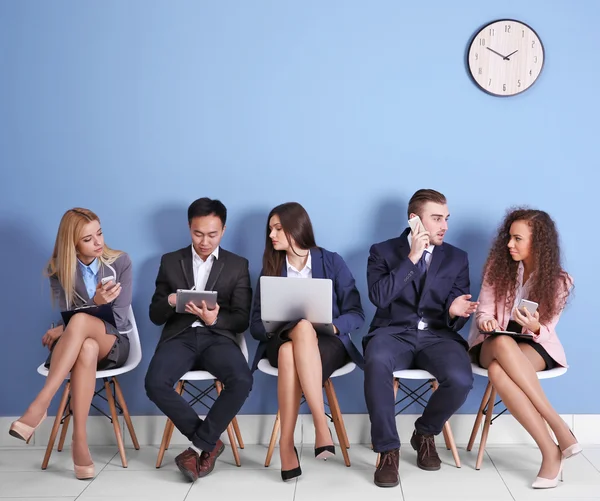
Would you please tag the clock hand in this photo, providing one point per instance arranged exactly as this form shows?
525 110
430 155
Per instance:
507 57
498 53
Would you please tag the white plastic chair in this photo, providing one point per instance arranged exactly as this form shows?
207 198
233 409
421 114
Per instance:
114 397
417 397
332 401
198 395
488 402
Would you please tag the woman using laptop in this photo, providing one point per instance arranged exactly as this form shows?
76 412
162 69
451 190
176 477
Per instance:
83 271
305 359
524 264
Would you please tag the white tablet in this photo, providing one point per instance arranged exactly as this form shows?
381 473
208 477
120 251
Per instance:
196 297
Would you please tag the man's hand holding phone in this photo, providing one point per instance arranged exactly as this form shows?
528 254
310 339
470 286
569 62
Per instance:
420 239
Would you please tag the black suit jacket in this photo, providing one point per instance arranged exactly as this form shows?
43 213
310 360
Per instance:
229 276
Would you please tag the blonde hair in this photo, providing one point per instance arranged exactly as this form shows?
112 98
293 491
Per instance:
63 263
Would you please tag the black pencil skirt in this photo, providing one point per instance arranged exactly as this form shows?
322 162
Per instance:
332 350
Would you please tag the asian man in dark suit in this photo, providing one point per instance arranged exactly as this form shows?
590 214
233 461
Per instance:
201 338
420 286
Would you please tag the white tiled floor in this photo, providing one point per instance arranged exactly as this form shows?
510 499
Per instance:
506 474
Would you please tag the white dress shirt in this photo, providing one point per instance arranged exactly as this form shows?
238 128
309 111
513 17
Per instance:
428 254
305 272
201 272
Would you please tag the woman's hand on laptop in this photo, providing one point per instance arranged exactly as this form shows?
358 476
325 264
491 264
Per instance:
209 317
489 325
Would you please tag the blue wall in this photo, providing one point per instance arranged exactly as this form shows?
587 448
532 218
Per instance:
134 109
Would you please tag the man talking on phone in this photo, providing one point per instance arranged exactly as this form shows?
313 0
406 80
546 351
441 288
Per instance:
420 286
201 338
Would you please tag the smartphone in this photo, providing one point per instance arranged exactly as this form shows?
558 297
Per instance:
530 306
416 226
105 280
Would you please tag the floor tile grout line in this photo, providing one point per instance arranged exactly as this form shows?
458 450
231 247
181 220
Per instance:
96 476
188 491
589 461
500 475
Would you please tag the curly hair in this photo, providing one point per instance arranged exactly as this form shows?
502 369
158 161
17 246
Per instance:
550 284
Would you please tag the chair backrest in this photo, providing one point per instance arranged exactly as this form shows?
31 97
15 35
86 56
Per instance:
135 351
241 341
135 346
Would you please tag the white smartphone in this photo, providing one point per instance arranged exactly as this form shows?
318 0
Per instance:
105 280
415 224
530 306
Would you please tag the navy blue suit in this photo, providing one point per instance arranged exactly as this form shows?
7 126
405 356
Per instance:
347 315
394 341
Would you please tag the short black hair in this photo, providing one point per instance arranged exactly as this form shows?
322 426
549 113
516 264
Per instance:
207 207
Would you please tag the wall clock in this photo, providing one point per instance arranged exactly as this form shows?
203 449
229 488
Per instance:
505 57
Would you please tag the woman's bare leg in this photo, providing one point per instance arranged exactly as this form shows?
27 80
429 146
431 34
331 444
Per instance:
289 394
83 385
308 367
64 356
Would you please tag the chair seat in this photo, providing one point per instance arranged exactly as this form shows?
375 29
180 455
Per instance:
197 376
99 374
549 374
413 374
267 368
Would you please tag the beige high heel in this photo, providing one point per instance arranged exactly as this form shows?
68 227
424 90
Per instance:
549 483
572 450
22 431
83 472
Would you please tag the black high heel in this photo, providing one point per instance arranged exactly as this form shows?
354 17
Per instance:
291 474
326 451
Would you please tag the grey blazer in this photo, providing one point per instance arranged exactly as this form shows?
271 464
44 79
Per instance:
122 271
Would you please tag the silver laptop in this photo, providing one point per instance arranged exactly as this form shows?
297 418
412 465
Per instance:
285 299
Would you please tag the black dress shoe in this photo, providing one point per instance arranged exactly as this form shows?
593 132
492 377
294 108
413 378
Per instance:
291 474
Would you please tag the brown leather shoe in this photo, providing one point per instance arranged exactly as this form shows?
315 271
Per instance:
386 474
206 464
427 456
188 463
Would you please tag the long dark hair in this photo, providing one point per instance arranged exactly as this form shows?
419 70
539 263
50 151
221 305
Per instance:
550 283
297 226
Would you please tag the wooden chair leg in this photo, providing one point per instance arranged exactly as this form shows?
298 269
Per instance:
486 428
163 444
337 419
115 421
65 428
230 432
447 431
238 433
449 437
179 388
341 416
484 402
126 416
274 434
59 414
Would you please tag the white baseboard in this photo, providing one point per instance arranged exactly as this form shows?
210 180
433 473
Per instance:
256 429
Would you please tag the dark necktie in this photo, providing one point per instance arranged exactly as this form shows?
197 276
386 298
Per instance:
422 266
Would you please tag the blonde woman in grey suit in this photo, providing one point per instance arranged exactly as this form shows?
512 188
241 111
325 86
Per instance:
79 262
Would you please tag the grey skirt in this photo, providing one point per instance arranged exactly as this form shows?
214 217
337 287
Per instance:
117 356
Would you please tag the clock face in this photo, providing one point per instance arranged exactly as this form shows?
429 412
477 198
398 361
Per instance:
506 57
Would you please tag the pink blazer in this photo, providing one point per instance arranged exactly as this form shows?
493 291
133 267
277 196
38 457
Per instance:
488 309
